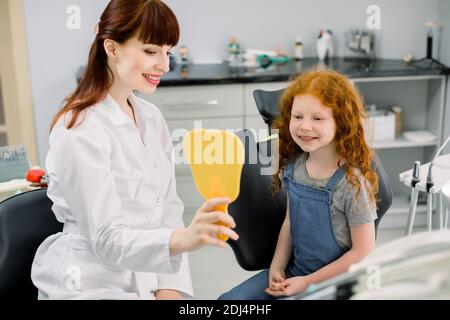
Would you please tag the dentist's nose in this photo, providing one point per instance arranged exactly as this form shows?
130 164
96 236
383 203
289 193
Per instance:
163 64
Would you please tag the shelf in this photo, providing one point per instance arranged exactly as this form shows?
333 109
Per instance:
402 143
400 205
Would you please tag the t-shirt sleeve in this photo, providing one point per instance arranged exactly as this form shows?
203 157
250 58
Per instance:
359 210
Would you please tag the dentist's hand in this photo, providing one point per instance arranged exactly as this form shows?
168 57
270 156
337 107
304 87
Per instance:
167 294
203 229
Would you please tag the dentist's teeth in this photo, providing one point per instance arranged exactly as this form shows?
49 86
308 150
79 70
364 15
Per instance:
150 77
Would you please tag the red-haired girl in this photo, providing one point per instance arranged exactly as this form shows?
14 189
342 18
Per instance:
325 165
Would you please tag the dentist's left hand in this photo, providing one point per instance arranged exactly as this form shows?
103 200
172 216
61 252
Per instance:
167 294
204 228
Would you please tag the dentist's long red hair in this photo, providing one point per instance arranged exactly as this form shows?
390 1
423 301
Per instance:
336 92
151 20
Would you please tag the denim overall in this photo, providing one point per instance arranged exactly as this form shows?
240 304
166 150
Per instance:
313 240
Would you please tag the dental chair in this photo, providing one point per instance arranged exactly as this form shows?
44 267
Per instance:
267 104
259 214
26 220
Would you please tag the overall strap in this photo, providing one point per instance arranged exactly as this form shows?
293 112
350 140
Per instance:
334 180
288 171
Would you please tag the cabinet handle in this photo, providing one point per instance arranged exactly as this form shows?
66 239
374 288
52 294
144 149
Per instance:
192 105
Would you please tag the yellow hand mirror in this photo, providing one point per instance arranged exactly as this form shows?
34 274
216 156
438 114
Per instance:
216 158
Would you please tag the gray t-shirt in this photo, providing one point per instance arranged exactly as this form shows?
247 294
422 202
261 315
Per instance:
344 211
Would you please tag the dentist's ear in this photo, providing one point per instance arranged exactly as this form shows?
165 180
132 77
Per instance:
110 48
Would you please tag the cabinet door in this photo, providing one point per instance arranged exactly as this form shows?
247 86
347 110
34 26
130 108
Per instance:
196 102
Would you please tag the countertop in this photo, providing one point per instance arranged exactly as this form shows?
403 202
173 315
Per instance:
206 74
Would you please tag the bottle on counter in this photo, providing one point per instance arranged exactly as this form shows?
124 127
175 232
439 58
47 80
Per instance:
298 49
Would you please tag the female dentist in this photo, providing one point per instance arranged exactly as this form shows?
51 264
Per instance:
111 178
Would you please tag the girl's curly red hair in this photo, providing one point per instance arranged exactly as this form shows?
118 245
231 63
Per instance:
335 91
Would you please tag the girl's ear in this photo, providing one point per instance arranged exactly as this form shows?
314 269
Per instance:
110 48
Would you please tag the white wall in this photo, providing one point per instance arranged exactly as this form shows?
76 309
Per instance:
208 24
55 52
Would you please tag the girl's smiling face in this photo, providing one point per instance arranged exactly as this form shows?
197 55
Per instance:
312 125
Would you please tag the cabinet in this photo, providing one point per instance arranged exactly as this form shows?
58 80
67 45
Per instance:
422 99
233 107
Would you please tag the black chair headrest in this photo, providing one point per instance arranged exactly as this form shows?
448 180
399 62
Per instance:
267 104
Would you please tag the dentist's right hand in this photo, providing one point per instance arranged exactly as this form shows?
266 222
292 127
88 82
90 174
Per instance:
204 228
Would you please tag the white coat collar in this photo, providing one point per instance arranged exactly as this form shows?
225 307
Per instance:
117 115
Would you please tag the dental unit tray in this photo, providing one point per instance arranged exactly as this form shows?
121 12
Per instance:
441 174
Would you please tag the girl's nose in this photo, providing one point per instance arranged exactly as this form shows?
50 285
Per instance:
305 125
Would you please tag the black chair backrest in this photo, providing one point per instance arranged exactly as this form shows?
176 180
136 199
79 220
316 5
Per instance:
385 193
258 214
26 220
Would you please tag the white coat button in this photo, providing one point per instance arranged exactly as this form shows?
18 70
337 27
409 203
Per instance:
155 164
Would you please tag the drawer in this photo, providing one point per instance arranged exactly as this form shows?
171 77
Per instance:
257 125
198 101
255 122
180 127
249 101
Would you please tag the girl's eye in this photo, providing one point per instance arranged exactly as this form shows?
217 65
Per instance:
318 119
298 117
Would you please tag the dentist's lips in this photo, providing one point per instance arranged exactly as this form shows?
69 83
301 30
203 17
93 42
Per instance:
152 79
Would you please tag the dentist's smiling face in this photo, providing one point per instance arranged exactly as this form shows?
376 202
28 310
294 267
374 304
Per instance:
312 125
140 66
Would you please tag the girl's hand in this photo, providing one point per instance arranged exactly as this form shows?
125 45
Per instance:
291 286
203 229
276 278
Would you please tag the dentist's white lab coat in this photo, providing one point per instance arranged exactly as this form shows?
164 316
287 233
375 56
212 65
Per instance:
113 185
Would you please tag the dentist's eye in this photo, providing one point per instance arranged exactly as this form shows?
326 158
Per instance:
149 52
169 54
